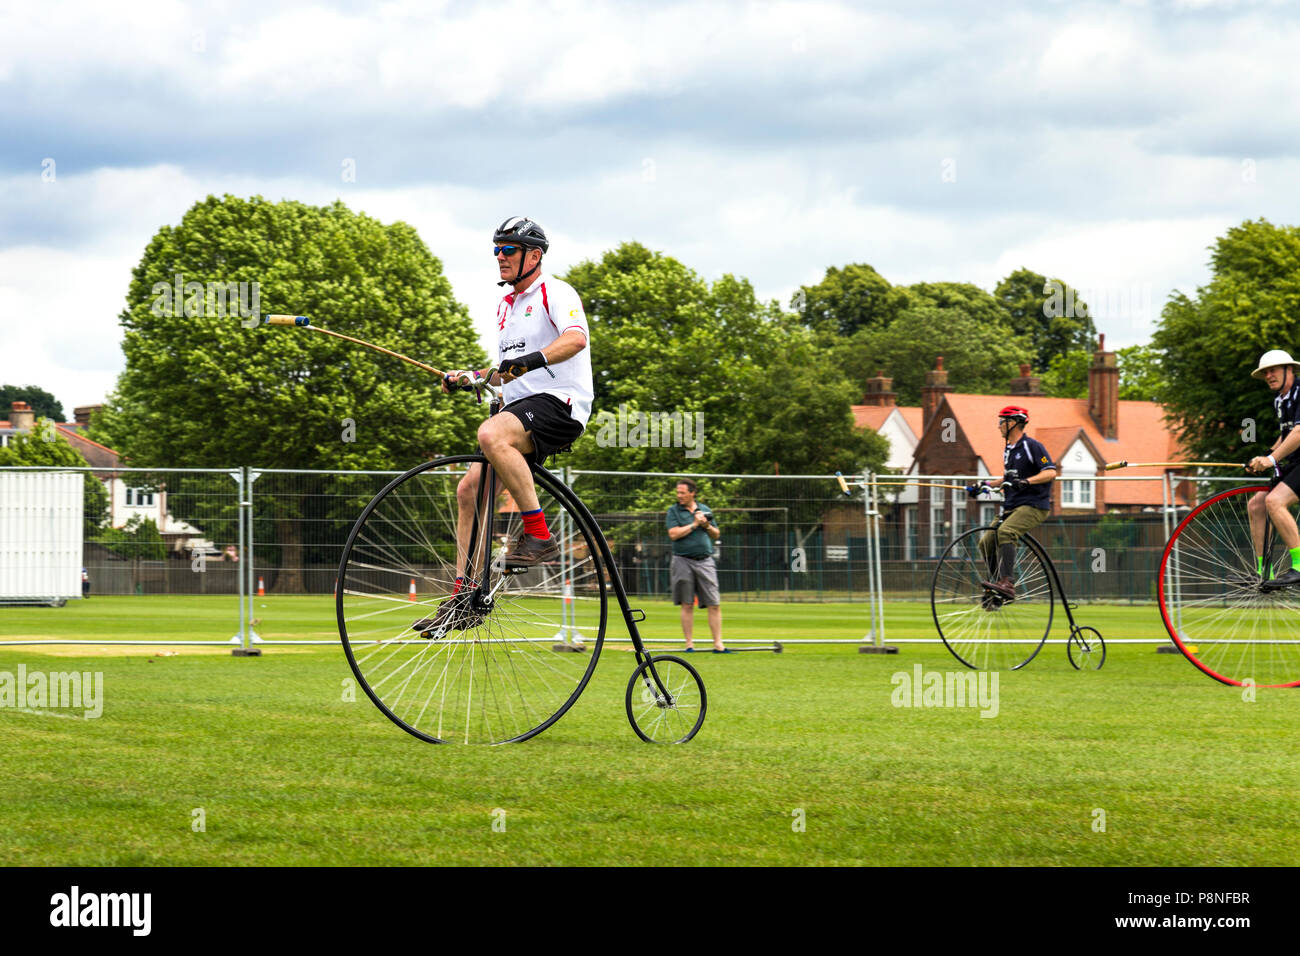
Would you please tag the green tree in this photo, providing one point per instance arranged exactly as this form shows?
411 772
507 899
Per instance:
202 390
43 403
848 299
1067 375
980 356
970 300
667 341
1141 374
1050 312
1211 342
138 540
43 445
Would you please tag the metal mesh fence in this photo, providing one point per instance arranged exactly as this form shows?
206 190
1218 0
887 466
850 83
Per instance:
153 531
784 537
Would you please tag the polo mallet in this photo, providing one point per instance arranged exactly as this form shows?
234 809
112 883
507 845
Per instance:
1113 465
846 485
301 321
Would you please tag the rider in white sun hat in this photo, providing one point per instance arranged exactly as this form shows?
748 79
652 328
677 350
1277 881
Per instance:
1278 369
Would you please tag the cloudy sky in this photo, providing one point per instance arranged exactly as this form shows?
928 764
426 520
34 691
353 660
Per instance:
1107 143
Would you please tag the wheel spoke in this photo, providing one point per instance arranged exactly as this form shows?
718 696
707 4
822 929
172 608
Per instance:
982 630
494 677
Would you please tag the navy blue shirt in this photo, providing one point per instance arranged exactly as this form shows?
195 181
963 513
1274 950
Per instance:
1288 416
1025 459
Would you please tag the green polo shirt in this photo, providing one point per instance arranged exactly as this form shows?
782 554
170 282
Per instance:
697 544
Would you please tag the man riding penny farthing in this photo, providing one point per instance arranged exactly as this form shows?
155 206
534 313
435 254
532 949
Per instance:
504 619
545 374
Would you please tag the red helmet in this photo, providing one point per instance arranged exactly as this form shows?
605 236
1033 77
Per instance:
1015 411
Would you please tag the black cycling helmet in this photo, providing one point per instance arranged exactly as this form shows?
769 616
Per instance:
520 231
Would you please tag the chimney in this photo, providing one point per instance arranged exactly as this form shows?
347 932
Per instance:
82 414
879 391
22 418
1027 384
1103 390
936 386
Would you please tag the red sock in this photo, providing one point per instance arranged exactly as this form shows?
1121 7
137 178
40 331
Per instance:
535 524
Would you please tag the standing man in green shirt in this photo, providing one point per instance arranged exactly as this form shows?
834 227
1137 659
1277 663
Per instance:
694 572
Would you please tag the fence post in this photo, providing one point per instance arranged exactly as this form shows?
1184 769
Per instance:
247 634
875 573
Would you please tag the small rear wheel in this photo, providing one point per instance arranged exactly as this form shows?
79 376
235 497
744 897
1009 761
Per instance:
666 700
1086 649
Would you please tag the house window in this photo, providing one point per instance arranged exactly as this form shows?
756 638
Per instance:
139 498
909 532
937 530
1076 493
988 513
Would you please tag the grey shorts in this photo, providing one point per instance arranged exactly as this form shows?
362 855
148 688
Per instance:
692 577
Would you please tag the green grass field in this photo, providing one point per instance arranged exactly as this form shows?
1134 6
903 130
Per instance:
287 771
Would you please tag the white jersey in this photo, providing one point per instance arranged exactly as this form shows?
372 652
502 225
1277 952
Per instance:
531 320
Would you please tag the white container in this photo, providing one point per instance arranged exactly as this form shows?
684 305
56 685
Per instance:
41 516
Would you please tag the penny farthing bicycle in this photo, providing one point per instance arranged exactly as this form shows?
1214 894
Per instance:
987 631
526 643
980 627
1231 622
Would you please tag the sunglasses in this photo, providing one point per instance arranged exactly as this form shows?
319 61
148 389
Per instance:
508 250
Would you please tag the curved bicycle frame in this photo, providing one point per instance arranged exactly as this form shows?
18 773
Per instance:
486 493
1037 547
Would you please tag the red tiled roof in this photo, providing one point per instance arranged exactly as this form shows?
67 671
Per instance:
1056 422
873 416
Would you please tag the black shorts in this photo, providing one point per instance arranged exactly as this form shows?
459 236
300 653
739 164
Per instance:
549 423
1290 477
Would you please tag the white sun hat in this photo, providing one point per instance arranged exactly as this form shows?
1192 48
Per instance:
1271 358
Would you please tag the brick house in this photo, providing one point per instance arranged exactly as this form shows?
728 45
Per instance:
125 500
959 436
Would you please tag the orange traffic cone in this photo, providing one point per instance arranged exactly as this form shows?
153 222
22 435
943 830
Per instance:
412 594
261 588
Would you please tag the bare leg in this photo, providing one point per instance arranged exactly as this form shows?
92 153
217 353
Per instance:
1257 510
715 626
466 501
1279 502
688 623
505 442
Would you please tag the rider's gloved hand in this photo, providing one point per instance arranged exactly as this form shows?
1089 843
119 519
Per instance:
522 365
1015 484
983 488
464 380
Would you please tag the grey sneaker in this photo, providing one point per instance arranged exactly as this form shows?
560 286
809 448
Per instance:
454 614
527 552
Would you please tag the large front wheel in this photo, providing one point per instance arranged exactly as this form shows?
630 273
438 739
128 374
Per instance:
982 629
488 671
1220 611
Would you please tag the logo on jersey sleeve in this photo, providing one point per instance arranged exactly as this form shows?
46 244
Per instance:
1043 460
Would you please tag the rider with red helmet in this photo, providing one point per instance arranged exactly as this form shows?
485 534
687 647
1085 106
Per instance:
1028 471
